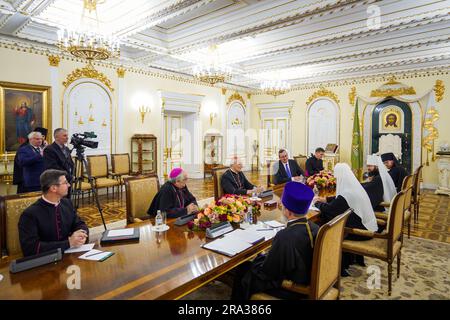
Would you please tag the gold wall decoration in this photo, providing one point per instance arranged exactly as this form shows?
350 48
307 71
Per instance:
322 92
121 72
88 72
352 96
224 91
54 60
439 90
249 96
236 96
386 91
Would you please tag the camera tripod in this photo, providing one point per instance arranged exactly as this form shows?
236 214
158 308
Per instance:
80 163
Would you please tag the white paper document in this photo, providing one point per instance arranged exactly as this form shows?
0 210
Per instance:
248 235
313 207
84 247
96 255
121 232
274 224
227 246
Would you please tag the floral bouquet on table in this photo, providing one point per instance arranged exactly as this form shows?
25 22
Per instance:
230 207
322 180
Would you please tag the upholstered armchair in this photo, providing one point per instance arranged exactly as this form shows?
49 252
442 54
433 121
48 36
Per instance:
121 167
386 245
326 265
416 192
11 208
140 192
99 170
217 178
301 160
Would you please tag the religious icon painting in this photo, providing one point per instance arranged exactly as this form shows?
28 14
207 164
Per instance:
23 107
391 120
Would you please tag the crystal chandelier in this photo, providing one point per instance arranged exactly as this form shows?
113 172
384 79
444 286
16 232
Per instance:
275 87
85 43
212 71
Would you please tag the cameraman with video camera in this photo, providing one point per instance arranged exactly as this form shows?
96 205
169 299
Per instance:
57 155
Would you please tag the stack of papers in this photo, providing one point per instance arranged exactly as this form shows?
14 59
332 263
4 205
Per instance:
96 255
121 232
239 240
228 247
313 207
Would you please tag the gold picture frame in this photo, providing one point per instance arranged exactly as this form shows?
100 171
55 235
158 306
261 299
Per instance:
23 107
391 120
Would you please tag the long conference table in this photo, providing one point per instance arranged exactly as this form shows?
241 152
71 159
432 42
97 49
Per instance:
162 265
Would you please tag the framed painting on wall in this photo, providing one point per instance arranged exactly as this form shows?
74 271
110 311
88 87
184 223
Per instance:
23 107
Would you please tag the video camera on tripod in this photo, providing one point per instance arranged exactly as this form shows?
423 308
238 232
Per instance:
81 140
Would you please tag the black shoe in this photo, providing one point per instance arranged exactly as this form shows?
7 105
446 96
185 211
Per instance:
359 260
344 273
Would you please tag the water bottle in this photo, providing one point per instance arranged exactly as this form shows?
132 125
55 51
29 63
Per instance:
158 219
250 215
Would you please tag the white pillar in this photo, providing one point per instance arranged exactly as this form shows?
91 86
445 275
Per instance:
56 100
121 143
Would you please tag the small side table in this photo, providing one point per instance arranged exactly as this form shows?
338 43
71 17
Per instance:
443 165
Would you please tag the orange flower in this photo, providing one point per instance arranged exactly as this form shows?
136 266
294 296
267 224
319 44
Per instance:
236 218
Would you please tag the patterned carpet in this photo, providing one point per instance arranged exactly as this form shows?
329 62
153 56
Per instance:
424 275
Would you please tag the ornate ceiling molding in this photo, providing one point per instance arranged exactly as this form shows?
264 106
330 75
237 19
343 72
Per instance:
322 92
362 54
88 72
286 21
357 33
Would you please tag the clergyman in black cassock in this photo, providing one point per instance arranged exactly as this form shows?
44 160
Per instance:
396 171
234 181
51 221
314 164
174 197
291 254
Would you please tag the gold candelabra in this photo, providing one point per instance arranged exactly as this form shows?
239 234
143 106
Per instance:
143 110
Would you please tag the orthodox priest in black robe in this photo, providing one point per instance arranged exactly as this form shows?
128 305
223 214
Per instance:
51 222
396 171
291 254
174 197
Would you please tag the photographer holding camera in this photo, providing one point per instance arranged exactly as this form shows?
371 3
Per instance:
57 155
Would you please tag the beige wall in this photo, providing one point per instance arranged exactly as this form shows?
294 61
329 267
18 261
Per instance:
299 114
24 67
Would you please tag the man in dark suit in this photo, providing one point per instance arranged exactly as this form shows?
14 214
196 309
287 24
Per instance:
287 169
57 155
32 162
18 172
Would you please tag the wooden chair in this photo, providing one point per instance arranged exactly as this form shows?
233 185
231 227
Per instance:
326 265
270 173
416 192
386 245
99 170
121 167
140 192
217 178
408 188
301 160
11 208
